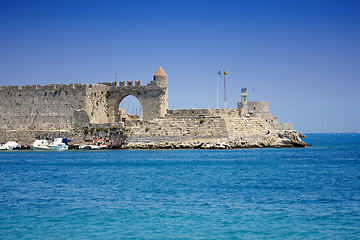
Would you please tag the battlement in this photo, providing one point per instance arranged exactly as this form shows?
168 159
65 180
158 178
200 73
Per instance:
129 83
10 88
49 87
110 84
31 87
76 85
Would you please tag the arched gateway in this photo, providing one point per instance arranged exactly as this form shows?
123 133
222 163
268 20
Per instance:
153 96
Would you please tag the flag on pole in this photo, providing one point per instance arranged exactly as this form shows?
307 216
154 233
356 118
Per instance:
225 73
217 89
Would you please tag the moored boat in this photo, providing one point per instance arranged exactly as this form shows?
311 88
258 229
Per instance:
40 145
11 145
97 145
59 144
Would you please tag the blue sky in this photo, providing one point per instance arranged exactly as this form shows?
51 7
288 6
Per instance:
302 56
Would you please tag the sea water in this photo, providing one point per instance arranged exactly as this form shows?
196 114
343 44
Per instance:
309 193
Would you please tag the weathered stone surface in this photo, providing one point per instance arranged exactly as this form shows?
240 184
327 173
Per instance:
82 112
245 142
260 109
57 106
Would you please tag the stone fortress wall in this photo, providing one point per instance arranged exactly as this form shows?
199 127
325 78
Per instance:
36 107
65 107
58 110
192 124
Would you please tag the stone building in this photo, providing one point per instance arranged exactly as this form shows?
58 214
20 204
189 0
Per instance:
260 109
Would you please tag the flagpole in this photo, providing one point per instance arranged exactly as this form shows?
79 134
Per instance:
224 89
217 90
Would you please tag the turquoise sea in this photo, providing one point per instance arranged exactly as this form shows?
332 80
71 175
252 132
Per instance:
311 193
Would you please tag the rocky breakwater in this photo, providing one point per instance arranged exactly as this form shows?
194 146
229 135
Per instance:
276 139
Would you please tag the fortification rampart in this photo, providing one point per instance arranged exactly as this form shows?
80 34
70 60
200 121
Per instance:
192 124
40 107
81 112
66 107
209 128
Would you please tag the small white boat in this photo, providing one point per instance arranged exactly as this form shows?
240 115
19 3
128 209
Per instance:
11 145
40 145
59 144
89 147
98 144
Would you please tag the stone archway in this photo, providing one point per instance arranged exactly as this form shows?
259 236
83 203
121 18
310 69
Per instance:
131 107
153 96
152 101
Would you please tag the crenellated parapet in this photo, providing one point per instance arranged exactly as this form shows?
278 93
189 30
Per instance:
41 87
11 88
129 83
110 84
31 87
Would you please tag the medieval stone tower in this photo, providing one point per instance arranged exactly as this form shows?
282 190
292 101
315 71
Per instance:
243 104
161 79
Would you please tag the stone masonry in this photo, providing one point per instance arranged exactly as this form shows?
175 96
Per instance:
260 110
65 107
77 111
